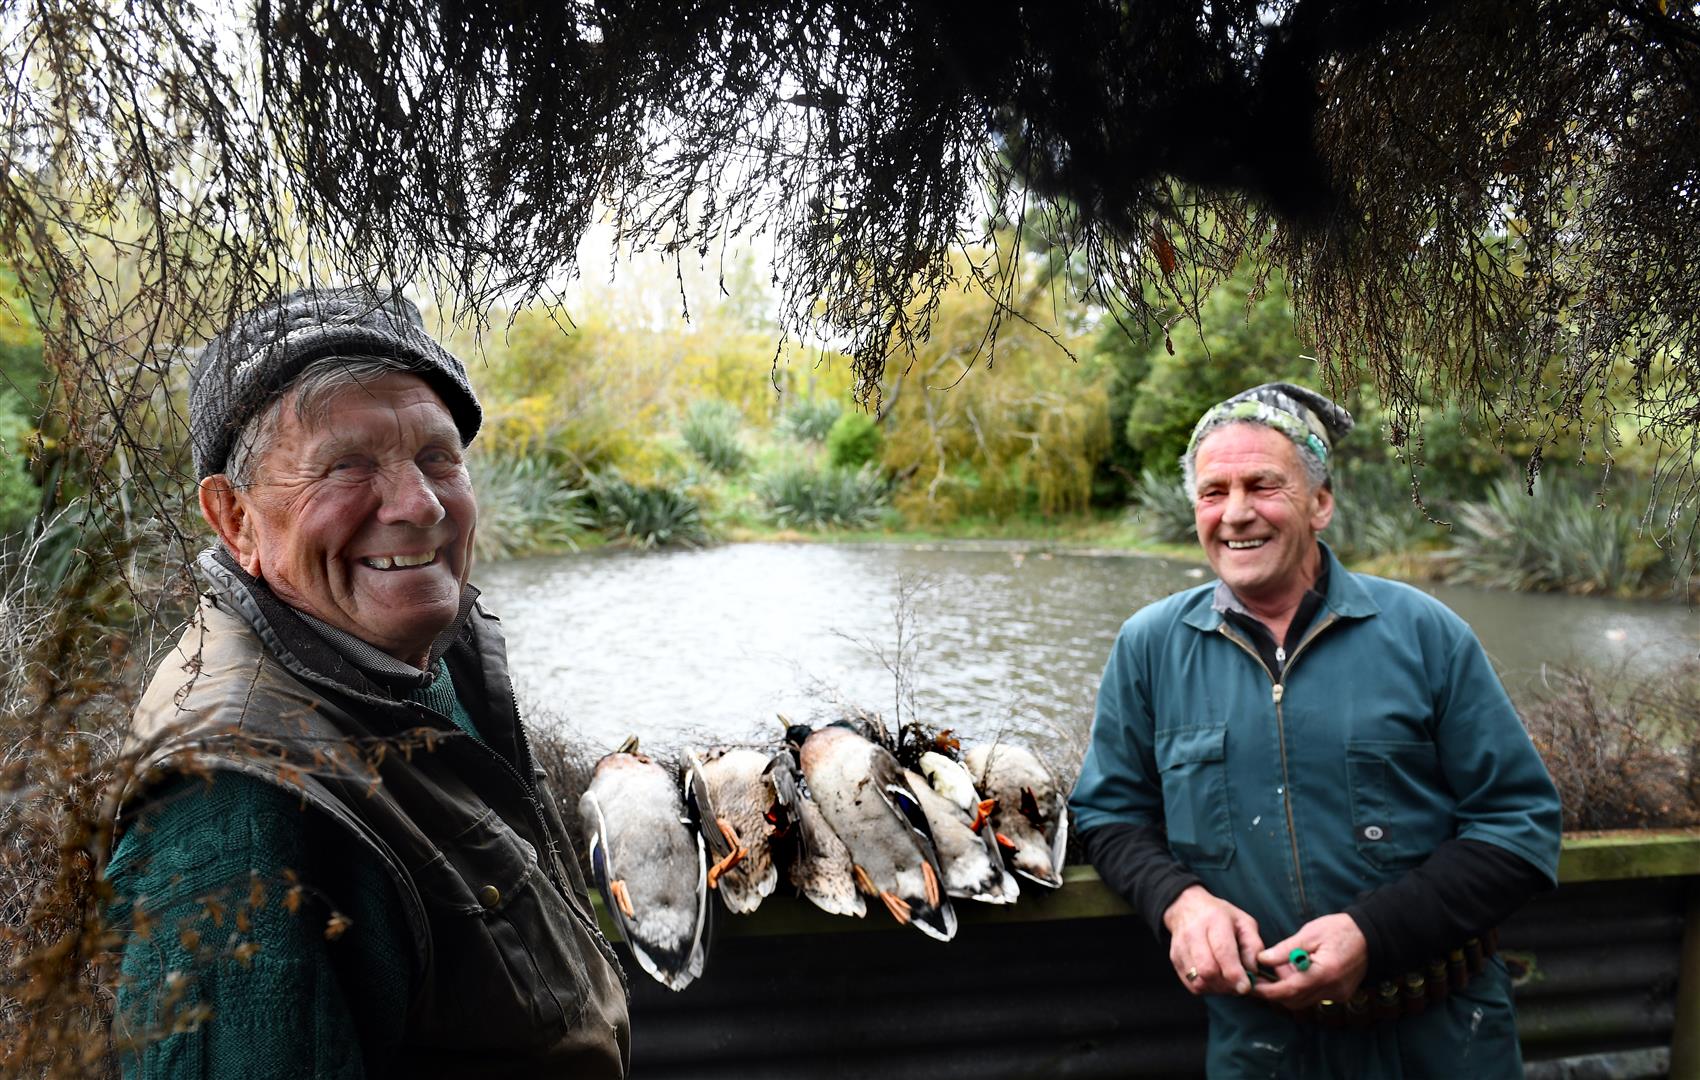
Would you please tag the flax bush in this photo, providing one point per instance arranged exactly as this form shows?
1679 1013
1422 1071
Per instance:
1162 509
525 507
803 497
1563 537
710 430
1374 513
648 515
810 420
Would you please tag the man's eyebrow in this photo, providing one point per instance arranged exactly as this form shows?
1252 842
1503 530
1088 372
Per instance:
1261 475
339 444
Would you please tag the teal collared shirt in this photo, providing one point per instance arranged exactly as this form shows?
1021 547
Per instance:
1387 734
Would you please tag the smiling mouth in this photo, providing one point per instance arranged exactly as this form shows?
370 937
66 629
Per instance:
399 562
1245 545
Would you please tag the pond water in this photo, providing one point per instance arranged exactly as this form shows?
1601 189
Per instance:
708 645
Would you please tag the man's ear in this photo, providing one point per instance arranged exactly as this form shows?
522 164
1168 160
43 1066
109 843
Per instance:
227 513
1323 508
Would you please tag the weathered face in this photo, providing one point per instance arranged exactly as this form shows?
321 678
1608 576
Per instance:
1257 514
365 519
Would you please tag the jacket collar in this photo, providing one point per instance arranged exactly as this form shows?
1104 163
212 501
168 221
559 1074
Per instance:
1346 598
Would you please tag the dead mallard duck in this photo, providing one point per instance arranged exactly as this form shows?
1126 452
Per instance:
969 856
649 864
819 865
1031 811
734 801
863 795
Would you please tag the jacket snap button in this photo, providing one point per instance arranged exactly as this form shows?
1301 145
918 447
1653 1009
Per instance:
1373 832
489 896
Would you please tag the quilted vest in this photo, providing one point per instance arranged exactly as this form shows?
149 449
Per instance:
513 978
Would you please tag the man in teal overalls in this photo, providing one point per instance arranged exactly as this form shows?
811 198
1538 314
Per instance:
1312 782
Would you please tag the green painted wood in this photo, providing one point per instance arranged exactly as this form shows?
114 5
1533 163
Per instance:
1611 856
1615 856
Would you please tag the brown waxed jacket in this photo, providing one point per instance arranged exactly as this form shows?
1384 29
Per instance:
512 975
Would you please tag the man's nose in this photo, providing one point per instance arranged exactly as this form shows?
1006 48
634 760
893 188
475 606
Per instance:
409 500
1238 508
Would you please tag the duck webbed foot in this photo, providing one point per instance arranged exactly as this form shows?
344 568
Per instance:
863 881
732 859
898 907
931 879
622 897
982 812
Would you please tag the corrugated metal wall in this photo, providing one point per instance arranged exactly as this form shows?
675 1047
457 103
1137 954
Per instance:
1602 961
1040 996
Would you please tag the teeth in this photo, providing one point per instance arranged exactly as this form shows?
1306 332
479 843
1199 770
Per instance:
1244 545
387 562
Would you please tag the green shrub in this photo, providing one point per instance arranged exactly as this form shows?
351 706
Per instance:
648 515
1161 507
1374 513
802 497
854 441
1558 539
711 432
20 498
810 420
525 507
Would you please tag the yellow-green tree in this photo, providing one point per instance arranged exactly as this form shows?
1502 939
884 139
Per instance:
1015 427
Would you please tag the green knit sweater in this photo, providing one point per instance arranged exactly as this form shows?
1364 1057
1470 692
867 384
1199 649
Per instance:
261 940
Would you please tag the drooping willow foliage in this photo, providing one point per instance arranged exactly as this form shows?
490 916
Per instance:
1493 202
1489 201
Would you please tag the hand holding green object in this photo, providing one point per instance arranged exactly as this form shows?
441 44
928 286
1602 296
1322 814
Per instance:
1299 958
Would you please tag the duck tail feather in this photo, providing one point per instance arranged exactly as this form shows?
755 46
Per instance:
1059 838
938 923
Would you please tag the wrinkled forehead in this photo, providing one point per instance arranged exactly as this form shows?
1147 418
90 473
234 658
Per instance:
379 406
1246 447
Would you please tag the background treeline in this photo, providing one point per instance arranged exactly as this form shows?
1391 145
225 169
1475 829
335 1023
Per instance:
633 426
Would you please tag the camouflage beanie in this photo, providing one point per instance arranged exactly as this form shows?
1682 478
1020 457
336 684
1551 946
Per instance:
1312 421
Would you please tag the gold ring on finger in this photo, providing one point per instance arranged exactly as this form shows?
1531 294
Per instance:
1191 974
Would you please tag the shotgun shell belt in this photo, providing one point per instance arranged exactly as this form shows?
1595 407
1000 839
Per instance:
1410 994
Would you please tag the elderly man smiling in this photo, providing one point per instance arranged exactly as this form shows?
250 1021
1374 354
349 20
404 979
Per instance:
1313 784
342 859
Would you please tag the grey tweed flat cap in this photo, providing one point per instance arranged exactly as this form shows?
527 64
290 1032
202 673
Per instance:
256 358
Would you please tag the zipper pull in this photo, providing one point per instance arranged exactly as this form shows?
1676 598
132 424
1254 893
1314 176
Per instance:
1278 691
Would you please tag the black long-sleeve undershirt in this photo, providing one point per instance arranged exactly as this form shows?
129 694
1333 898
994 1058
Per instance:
1462 888
1135 861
